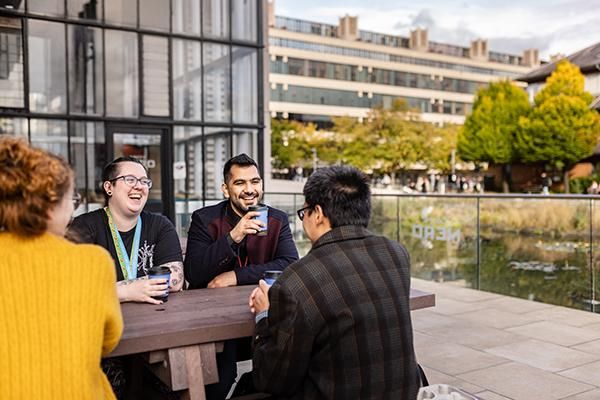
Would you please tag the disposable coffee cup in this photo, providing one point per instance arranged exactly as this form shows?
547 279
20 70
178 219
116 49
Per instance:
160 273
264 214
271 276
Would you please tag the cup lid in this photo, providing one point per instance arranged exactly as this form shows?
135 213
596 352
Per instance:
159 271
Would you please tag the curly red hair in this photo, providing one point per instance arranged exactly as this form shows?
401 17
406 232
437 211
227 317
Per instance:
32 182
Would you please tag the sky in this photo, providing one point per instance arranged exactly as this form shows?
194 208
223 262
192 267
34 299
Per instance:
510 26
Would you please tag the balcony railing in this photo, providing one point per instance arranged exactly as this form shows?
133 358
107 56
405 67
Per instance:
536 247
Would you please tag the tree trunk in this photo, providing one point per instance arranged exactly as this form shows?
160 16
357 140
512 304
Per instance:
566 180
506 178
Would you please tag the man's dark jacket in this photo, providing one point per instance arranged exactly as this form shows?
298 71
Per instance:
339 323
209 252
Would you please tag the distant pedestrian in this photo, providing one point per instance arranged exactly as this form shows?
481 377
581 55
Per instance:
593 188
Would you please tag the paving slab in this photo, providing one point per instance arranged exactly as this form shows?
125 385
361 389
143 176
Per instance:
522 382
437 377
447 306
499 318
454 359
423 320
553 332
589 373
543 355
566 316
516 305
589 347
589 395
470 334
487 395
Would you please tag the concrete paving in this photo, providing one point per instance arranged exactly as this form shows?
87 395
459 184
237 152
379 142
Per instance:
499 347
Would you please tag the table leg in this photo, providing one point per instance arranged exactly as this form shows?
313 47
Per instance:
195 378
200 369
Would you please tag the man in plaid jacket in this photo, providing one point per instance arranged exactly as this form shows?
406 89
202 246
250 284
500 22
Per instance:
336 324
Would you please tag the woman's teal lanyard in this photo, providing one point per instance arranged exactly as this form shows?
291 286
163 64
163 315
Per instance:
128 266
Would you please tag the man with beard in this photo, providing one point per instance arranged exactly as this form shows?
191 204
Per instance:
223 247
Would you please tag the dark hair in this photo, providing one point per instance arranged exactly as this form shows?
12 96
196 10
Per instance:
111 171
32 182
243 160
342 192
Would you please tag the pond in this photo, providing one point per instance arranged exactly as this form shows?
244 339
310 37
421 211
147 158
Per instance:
540 248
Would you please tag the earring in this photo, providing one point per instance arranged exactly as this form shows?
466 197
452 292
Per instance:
109 193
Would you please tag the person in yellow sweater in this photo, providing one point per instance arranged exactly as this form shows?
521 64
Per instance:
62 314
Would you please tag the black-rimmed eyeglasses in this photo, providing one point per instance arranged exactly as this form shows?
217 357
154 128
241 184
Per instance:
131 180
301 211
76 200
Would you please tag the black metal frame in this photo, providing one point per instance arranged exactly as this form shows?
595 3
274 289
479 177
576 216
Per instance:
165 123
166 145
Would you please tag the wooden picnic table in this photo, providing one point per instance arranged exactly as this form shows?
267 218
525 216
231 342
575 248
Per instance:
180 338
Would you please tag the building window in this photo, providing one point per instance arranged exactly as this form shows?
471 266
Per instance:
47 7
47 72
15 127
243 20
217 150
215 18
85 70
11 63
217 93
187 79
186 17
121 12
86 153
156 75
245 101
121 73
85 9
50 135
154 14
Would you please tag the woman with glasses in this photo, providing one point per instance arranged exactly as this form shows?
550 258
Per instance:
62 315
137 240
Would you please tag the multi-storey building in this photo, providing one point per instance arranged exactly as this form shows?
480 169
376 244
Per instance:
321 70
177 83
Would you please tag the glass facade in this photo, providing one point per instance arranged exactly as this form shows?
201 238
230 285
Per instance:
320 29
377 55
176 83
345 98
345 72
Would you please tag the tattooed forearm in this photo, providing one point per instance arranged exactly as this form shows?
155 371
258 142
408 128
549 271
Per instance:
130 281
176 275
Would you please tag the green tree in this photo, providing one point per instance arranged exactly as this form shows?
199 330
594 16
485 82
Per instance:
286 148
292 144
394 140
489 131
561 129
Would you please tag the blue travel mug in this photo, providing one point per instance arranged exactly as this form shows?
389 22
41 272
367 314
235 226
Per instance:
271 276
161 273
264 217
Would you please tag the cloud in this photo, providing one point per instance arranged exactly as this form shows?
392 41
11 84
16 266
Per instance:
510 26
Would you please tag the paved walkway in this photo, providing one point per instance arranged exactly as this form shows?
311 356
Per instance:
498 347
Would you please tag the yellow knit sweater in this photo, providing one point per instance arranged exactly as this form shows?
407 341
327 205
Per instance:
59 313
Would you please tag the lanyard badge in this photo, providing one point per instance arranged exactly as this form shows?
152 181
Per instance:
128 264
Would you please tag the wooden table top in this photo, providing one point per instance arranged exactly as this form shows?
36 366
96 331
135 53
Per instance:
200 316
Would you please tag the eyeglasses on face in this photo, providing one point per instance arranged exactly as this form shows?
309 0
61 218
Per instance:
301 212
131 180
76 200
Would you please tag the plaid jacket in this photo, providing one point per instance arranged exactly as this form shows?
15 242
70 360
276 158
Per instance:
339 323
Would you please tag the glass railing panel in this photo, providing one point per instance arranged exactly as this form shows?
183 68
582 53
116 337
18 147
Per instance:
290 203
536 249
594 255
440 234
